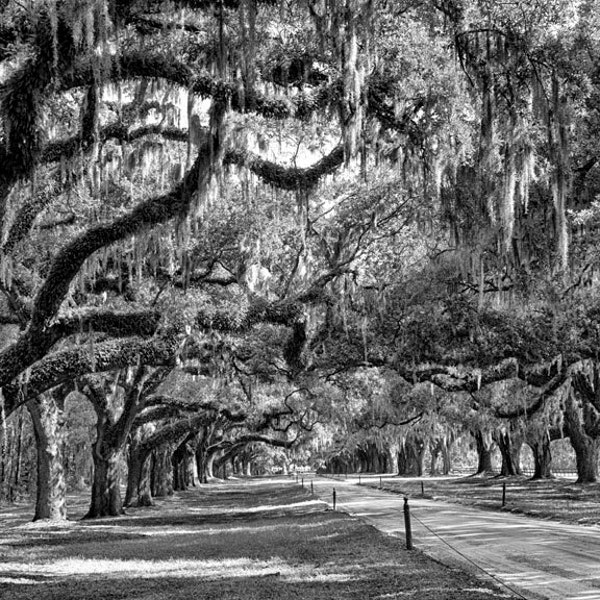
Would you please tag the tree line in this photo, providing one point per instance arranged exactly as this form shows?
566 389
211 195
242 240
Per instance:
350 227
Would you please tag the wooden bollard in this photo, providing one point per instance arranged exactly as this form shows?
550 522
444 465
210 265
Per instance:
407 527
303 483
422 489
380 483
334 498
312 488
359 480
504 493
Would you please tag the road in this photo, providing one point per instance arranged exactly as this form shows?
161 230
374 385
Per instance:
537 558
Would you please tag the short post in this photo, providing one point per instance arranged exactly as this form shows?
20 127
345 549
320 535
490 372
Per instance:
380 482
303 483
334 498
422 489
312 488
359 480
407 527
504 493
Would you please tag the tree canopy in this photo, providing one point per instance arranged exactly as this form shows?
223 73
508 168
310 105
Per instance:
283 198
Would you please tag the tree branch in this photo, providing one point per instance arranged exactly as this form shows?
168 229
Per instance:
289 178
66 365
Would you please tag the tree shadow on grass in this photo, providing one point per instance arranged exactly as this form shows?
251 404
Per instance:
219 505
364 581
73 537
265 543
199 519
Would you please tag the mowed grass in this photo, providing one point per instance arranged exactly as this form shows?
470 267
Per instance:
262 540
556 499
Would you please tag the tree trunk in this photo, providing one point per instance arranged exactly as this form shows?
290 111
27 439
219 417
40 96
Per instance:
162 477
586 447
392 461
17 470
411 458
373 464
191 466
208 467
582 424
48 426
201 458
106 493
435 450
144 490
402 460
542 458
447 443
178 464
510 450
483 445
586 453
113 427
139 492
417 457
134 474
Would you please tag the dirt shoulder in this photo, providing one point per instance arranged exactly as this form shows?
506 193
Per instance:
255 540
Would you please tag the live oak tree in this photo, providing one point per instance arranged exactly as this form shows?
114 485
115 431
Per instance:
371 184
48 418
213 424
71 53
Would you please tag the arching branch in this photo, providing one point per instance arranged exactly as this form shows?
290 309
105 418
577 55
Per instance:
67 365
285 177
39 337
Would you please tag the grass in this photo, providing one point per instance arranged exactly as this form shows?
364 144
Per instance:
555 499
228 541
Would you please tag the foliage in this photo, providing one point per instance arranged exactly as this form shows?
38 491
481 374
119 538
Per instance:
316 206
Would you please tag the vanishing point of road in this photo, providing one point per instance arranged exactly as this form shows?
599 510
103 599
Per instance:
539 559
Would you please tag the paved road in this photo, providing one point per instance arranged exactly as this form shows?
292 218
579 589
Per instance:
539 559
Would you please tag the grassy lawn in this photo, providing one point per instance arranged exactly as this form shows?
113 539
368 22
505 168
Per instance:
556 499
252 541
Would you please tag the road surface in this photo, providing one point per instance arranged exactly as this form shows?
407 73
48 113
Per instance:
536 558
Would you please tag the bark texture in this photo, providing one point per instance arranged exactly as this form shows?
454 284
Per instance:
47 413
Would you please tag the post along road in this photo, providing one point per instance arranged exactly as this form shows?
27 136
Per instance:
537 558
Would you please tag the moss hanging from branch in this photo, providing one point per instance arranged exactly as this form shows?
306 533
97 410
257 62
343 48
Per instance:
247 16
559 154
289 178
508 195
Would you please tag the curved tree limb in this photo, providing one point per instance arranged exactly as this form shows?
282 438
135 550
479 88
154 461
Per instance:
66 365
287 178
39 337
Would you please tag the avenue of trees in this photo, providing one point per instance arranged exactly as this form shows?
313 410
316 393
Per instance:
248 234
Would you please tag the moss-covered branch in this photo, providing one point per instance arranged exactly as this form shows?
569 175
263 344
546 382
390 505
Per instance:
39 337
70 147
27 214
287 178
133 65
249 438
66 365
141 323
260 311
